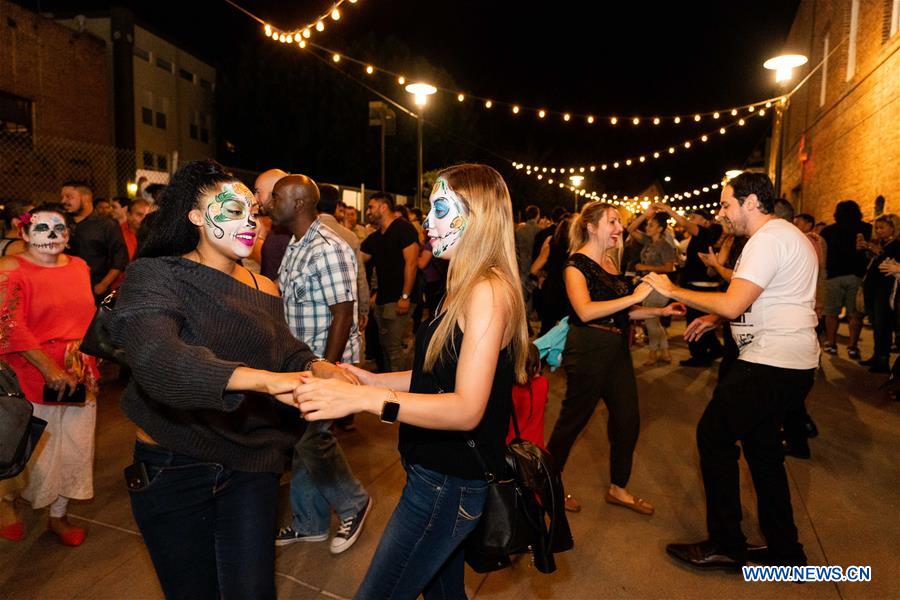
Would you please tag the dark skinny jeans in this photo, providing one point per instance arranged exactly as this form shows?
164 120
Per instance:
598 365
210 530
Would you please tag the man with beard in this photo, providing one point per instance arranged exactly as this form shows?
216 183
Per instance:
96 239
770 303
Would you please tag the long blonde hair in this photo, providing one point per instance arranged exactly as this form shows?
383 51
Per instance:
486 251
591 213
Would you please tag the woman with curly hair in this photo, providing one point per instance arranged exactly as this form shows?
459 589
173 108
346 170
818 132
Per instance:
213 367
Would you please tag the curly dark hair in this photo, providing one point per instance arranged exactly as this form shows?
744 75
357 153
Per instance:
170 233
755 183
847 212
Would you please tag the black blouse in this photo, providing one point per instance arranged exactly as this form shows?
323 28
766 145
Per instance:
602 286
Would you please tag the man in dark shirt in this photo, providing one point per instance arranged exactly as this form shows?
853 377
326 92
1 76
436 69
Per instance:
95 238
276 241
394 248
694 276
845 267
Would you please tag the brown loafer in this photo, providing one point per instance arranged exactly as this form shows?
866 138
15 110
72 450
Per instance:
571 504
639 506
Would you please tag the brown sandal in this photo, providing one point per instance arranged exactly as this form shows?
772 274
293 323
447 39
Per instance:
638 505
571 504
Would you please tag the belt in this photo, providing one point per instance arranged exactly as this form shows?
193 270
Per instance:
609 328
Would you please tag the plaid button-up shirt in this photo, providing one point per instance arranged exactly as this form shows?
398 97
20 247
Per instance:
318 271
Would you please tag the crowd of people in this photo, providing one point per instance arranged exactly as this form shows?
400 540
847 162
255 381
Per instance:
246 318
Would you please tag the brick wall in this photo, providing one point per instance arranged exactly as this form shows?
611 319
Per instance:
850 146
62 72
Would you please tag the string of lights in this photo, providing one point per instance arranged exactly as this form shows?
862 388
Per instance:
300 33
301 38
646 157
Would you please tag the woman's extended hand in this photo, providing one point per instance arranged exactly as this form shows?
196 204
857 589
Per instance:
642 291
326 370
699 326
676 309
282 385
889 266
58 379
324 399
710 259
661 283
364 377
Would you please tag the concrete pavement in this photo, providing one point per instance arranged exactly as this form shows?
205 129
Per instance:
845 505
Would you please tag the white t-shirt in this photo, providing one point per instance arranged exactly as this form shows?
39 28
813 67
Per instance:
779 328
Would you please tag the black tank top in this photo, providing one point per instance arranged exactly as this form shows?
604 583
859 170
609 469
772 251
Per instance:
602 285
447 451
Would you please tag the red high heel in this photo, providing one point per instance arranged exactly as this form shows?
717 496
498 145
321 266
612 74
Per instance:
14 532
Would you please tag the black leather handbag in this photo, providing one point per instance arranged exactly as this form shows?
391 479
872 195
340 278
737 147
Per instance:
97 341
20 430
519 505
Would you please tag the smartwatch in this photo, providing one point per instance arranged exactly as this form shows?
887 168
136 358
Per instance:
390 409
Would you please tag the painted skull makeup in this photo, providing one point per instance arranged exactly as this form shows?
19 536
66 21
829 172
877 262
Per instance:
229 221
48 233
447 218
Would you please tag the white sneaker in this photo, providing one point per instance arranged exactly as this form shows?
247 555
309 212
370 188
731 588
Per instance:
349 529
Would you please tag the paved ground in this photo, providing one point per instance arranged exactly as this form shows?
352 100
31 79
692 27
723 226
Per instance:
845 504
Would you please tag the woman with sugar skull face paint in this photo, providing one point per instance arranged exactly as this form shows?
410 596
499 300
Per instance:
213 369
466 360
47 305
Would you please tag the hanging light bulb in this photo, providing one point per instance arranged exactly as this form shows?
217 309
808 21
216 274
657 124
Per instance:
302 43
635 121
715 115
370 69
488 104
336 57
614 120
542 113
677 120
590 119
697 118
656 120
567 117
703 138
268 29
515 110
401 80
320 26
460 97
307 33
335 15
722 130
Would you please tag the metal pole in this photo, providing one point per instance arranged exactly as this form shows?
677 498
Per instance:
383 186
778 143
418 199
576 201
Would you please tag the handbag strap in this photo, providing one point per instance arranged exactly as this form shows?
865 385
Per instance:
488 475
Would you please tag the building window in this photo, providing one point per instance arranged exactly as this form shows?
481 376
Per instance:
186 75
194 126
141 53
15 115
206 84
162 110
162 162
890 19
164 64
825 51
147 108
204 130
851 47
148 160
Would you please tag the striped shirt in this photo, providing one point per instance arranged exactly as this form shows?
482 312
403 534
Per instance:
318 271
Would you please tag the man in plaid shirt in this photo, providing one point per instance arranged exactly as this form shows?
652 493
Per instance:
317 278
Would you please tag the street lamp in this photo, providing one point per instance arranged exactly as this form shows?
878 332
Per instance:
420 92
783 66
732 173
576 183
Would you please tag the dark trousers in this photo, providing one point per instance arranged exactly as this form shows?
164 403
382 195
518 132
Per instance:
884 321
598 365
749 405
210 530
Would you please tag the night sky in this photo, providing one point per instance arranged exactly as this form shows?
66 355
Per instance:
601 58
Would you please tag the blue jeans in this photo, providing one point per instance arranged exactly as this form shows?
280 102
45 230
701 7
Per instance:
421 549
321 480
209 529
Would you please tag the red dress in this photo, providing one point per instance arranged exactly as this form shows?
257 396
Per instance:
46 308
529 401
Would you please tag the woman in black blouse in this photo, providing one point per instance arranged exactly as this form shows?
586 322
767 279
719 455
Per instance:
459 390
213 368
596 358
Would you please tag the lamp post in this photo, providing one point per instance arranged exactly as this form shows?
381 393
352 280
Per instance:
576 183
420 92
783 66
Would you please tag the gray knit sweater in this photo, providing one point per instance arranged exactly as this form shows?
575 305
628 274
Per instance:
185 328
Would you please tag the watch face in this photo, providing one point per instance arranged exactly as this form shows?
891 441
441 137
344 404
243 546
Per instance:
389 411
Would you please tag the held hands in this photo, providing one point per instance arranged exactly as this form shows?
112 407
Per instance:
661 283
362 376
642 291
327 370
324 399
699 326
58 379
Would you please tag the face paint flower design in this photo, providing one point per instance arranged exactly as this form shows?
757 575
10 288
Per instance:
47 233
229 219
447 219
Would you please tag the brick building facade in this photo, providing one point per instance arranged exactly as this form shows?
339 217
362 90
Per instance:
60 73
842 127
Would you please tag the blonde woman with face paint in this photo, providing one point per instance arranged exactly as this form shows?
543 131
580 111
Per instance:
47 306
466 360
213 370
597 359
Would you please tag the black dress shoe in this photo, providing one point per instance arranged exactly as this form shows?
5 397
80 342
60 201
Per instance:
704 555
797 451
810 427
757 555
695 362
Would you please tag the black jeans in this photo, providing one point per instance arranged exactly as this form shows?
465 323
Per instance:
749 405
210 530
884 321
598 365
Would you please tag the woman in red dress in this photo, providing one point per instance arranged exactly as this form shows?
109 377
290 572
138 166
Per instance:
46 306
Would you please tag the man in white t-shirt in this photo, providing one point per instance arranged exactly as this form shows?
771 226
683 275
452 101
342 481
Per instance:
771 304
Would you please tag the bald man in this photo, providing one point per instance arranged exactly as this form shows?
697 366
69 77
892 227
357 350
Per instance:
319 290
274 241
